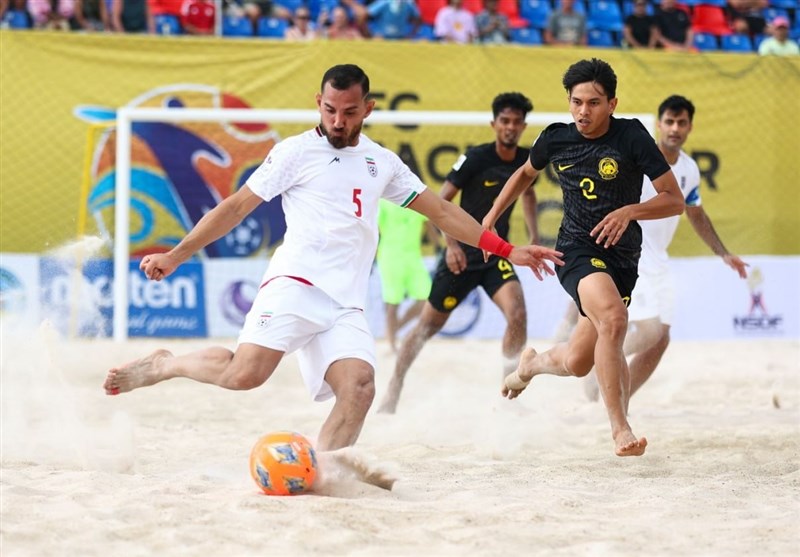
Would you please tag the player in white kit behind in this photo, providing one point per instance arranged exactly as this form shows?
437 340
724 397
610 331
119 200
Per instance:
313 293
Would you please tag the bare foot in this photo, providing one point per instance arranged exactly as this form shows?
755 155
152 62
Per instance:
628 445
515 383
350 460
139 373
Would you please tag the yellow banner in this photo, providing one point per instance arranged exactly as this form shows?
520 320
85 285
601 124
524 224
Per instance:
54 85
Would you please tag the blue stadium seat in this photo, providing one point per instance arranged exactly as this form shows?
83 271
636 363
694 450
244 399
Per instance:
705 41
785 4
425 33
17 19
233 26
526 35
736 43
316 6
604 14
600 38
535 11
772 12
291 5
167 24
272 27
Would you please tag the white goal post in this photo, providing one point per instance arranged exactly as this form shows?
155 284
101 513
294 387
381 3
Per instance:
127 115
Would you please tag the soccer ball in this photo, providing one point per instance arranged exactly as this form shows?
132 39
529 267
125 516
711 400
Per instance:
283 463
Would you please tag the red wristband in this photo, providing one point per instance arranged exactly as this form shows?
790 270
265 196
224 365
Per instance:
493 243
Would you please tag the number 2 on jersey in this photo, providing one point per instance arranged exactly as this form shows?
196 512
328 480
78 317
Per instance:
357 201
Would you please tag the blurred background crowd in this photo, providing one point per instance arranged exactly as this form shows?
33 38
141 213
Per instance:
768 27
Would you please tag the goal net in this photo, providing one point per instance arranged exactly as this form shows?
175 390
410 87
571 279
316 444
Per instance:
169 166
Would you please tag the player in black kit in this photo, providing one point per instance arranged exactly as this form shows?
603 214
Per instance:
600 162
479 175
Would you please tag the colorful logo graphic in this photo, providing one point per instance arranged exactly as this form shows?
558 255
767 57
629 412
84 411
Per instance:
180 171
758 319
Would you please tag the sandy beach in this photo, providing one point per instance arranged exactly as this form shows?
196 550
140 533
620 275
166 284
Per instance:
163 470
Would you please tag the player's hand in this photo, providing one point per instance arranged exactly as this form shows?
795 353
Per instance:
487 224
536 257
455 258
157 266
736 264
609 230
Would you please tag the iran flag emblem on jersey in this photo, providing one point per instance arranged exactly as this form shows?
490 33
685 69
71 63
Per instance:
372 167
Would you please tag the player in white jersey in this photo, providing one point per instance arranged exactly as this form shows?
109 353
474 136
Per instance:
653 302
313 294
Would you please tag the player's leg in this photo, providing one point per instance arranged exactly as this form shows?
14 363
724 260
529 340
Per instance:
247 368
511 301
353 384
392 324
602 304
430 322
446 293
645 362
572 358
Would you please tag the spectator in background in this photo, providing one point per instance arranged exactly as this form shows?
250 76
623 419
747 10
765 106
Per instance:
131 16
394 19
492 25
746 16
19 6
198 17
674 27
164 7
779 44
256 9
640 29
340 26
54 15
565 26
301 29
454 24
91 15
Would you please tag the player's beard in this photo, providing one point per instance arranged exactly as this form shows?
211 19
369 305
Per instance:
341 141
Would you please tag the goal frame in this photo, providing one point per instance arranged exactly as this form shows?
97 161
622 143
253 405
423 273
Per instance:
126 116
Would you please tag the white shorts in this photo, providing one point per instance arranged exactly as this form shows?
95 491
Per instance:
653 297
289 316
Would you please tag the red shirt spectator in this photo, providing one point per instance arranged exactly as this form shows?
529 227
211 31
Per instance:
165 7
197 17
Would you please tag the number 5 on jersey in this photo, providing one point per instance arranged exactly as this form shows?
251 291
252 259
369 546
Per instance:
357 201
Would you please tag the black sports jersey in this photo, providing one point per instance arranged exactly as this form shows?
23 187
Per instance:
598 176
480 174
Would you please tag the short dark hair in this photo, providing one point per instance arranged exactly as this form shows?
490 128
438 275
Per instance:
514 101
676 103
344 76
594 71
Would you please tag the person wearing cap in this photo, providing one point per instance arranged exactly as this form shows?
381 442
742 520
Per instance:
779 44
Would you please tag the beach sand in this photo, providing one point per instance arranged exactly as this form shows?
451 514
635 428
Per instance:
163 470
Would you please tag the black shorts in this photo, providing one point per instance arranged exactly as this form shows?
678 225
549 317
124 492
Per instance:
449 290
583 261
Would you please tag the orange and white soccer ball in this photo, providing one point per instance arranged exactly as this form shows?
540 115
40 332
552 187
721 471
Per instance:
283 463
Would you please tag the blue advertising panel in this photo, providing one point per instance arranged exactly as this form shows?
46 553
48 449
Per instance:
172 307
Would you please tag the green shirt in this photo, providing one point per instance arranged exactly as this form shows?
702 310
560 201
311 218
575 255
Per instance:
400 230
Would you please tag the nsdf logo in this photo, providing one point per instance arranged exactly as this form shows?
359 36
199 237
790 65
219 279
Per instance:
173 307
77 301
758 319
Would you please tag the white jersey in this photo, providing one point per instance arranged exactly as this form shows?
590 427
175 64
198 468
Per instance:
330 198
657 233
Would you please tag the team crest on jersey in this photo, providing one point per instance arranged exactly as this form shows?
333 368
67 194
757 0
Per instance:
598 263
608 168
372 167
450 302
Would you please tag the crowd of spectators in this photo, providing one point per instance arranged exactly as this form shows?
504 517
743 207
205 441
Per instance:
764 26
